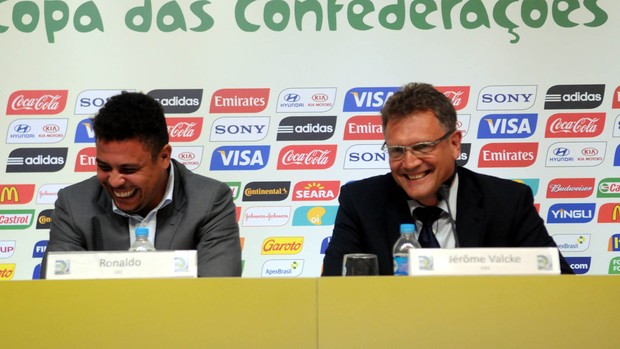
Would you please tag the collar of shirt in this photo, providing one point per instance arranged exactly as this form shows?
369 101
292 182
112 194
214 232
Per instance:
150 221
443 226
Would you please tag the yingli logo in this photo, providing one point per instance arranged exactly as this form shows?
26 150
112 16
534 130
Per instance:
184 129
571 125
459 95
16 194
37 102
307 157
240 100
316 190
508 155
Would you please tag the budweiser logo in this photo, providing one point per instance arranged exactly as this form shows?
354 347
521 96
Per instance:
307 157
37 102
184 129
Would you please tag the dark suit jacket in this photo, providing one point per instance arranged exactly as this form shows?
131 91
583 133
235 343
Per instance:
201 216
491 212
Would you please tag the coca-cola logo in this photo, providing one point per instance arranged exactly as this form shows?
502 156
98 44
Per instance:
459 95
307 157
184 129
37 102
572 125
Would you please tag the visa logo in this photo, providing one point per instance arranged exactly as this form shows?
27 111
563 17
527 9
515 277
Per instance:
234 158
367 99
84 132
571 213
507 126
580 265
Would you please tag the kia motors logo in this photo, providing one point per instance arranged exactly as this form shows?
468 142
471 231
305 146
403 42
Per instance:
507 126
316 190
307 157
90 101
519 97
306 100
16 194
36 160
191 156
266 191
306 128
367 99
363 127
459 95
571 213
564 188
37 102
36 131
235 158
574 125
576 154
574 96
178 101
508 155
240 129
241 100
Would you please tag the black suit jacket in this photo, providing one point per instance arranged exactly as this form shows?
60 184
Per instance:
491 212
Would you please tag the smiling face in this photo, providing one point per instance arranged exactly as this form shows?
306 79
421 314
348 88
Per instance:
129 174
422 176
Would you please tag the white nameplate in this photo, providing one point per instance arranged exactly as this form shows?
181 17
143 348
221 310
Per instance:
484 261
121 264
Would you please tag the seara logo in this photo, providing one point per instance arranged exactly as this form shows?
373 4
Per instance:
307 157
609 213
282 245
16 194
565 188
574 96
508 155
7 271
459 95
571 213
367 99
240 158
37 102
507 126
580 265
364 127
574 125
240 100
609 188
316 190
16 219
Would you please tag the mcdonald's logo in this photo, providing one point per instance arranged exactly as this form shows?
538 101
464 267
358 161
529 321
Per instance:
609 213
16 194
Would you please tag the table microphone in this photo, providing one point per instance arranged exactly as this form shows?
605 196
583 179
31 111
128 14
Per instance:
444 193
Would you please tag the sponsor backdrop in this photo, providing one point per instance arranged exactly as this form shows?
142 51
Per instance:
281 99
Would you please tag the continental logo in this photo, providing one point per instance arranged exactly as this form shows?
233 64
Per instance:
609 213
7 271
282 245
16 194
44 220
266 191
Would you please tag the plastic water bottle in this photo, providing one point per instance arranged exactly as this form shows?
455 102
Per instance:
405 242
142 243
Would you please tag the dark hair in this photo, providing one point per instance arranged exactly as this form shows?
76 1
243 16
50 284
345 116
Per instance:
419 97
132 115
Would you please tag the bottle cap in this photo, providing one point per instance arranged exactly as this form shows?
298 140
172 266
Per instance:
142 231
407 228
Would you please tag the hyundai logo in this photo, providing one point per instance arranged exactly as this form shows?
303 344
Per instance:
292 97
561 152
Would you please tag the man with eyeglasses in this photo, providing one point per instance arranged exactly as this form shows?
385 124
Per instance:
423 144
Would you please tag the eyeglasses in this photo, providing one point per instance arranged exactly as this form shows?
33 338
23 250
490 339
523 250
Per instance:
397 152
